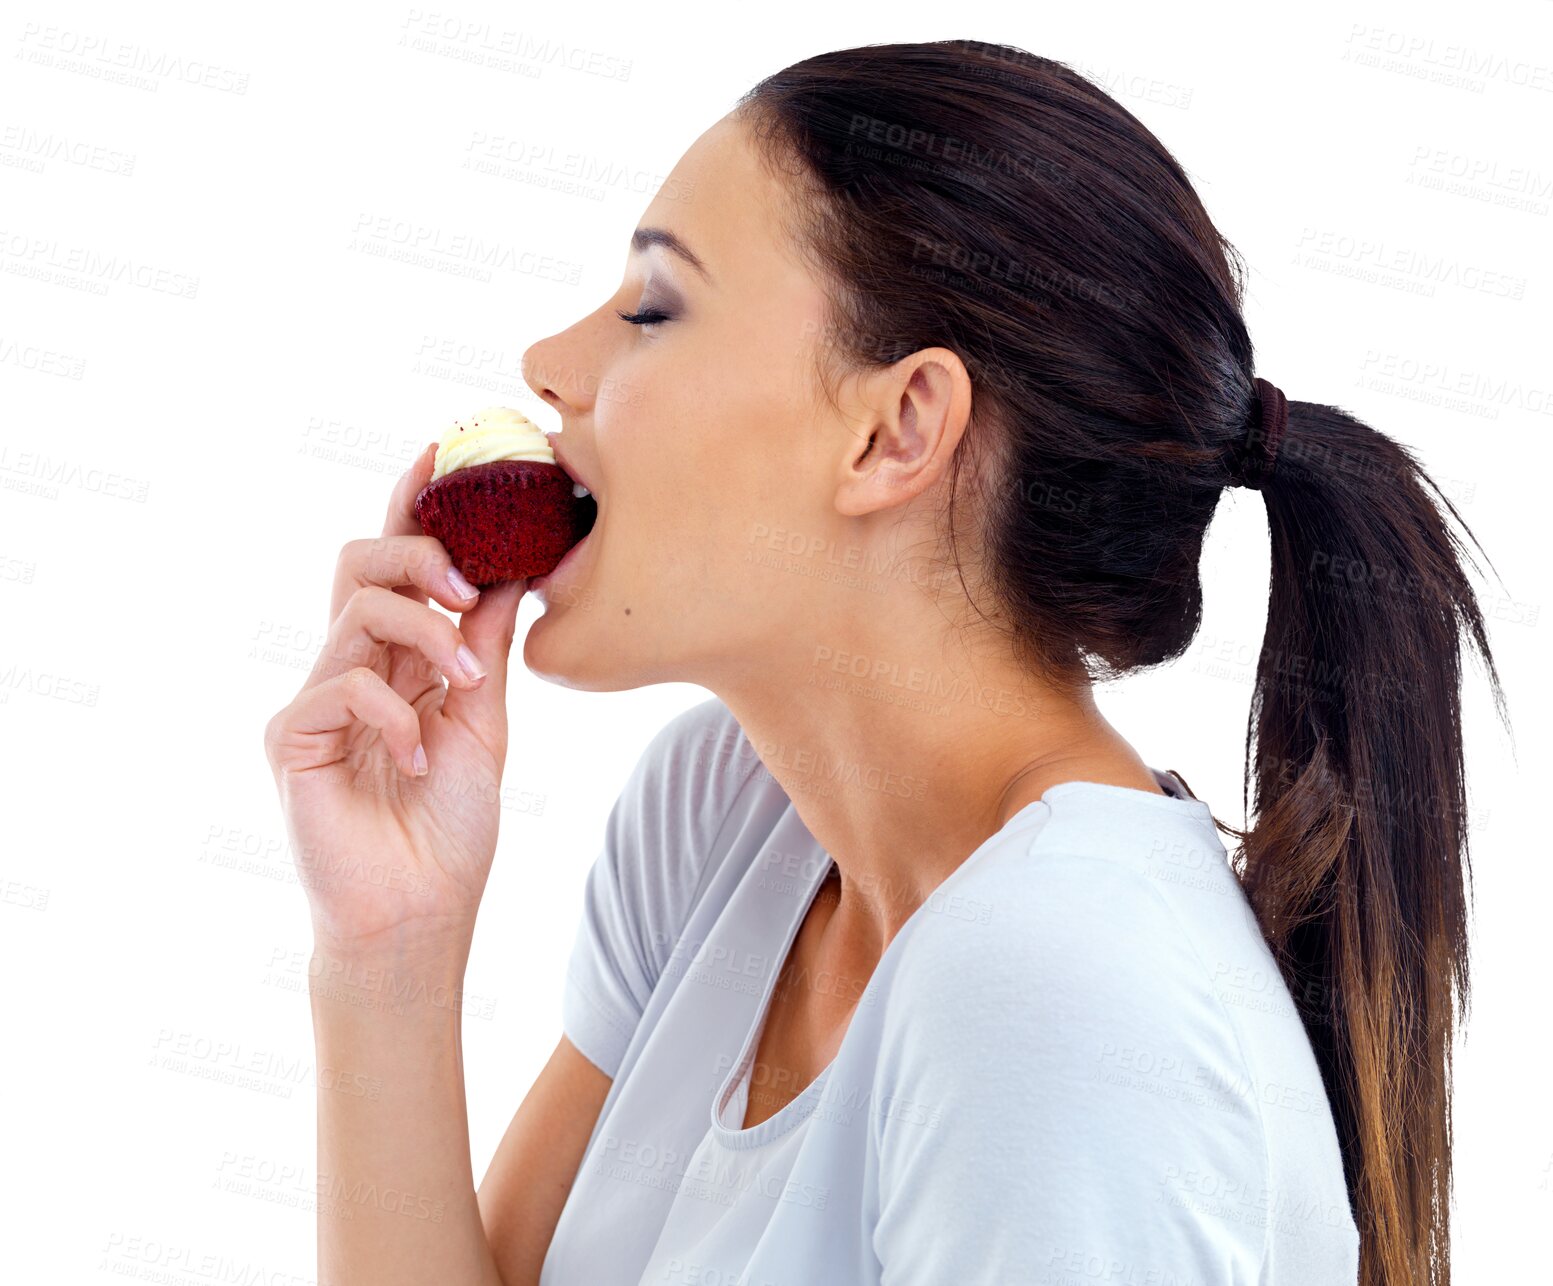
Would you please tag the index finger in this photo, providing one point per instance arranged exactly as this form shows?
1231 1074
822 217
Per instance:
400 519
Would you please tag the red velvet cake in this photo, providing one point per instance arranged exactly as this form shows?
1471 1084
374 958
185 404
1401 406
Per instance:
498 501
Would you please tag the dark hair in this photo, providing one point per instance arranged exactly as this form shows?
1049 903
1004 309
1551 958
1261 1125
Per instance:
978 197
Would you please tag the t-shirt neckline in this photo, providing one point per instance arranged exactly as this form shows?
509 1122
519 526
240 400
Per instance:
1177 795
793 1113
789 1114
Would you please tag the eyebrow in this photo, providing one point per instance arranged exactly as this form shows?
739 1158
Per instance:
644 237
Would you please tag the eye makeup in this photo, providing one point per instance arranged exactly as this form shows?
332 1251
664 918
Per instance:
656 306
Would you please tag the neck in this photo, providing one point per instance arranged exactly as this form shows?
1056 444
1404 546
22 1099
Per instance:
901 770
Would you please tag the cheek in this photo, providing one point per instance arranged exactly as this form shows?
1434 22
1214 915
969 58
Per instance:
683 535
700 453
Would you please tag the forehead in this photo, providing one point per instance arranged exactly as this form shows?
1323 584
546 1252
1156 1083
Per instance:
726 205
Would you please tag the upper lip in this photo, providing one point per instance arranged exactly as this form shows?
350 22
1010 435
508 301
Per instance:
567 466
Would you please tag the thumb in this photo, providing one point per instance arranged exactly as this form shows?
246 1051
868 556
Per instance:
488 628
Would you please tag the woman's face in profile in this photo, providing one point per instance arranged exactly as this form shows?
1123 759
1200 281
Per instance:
711 452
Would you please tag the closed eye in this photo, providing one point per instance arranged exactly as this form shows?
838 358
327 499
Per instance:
647 317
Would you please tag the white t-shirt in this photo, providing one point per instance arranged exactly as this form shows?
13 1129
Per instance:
1075 1063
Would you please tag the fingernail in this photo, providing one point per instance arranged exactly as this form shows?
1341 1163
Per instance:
469 662
418 760
461 587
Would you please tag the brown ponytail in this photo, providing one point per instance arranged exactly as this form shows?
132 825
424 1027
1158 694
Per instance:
975 196
1357 865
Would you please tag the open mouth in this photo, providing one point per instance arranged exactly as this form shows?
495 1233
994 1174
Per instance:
585 516
587 511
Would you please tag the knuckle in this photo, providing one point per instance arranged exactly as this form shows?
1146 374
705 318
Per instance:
359 678
368 555
272 734
424 558
379 555
453 637
362 601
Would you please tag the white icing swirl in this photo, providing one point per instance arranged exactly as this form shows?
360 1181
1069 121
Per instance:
496 433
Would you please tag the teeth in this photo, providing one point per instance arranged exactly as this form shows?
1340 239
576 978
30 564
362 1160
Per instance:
580 491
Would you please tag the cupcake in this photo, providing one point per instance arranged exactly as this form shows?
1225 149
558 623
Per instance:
498 500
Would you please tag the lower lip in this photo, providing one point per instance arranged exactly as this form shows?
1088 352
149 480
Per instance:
566 559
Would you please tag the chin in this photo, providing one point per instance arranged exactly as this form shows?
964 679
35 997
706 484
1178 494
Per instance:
557 650
548 654
568 646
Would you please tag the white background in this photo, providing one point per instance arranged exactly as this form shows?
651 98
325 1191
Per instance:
182 459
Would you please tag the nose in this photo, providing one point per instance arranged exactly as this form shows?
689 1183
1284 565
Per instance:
536 374
557 371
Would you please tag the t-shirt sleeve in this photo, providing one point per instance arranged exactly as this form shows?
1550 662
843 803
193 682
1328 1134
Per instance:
1062 1097
659 839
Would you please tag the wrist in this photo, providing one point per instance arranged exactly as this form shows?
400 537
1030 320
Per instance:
425 939
408 968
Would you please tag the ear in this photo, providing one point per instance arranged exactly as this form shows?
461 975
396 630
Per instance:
910 418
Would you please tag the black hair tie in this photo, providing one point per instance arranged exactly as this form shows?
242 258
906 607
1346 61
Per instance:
1252 464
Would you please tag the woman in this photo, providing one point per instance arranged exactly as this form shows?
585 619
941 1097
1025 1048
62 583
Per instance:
900 964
